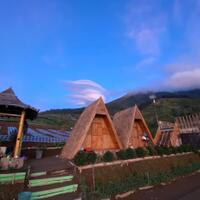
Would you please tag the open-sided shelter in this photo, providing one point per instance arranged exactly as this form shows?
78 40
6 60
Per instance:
167 135
132 129
189 127
11 106
93 130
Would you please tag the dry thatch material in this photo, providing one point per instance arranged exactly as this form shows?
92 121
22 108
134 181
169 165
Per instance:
94 130
167 134
132 128
9 103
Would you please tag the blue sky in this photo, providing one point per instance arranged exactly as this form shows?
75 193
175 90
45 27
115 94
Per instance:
67 53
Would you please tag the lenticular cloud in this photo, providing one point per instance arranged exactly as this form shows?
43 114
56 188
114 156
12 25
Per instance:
83 92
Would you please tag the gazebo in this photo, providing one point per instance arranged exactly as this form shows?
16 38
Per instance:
11 106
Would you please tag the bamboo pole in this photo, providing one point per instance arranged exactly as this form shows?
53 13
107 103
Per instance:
19 135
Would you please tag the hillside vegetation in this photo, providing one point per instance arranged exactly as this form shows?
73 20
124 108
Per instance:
168 106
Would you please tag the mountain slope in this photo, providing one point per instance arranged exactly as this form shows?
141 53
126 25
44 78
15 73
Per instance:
168 106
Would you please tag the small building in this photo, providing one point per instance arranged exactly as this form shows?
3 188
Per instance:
189 127
131 128
94 130
12 106
167 135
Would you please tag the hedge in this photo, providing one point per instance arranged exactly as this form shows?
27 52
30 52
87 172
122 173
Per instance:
108 156
83 158
121 154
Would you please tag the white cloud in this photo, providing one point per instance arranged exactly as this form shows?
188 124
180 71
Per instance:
184 79
83 92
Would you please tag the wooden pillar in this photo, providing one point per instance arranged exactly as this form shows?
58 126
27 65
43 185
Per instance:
19 136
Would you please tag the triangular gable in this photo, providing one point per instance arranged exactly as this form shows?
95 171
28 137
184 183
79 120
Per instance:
125 121
82 127
167 134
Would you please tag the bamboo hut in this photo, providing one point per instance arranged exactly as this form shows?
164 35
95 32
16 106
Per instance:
167 135
93 130
189 127
132 128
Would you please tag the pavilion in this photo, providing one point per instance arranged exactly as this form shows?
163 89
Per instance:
11 106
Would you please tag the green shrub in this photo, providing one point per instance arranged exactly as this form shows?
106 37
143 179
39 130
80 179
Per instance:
184 148
121 155
141 152
160 150
83 158
108 156
174 150
195 150
130 153
151 150
167 150
91 157
80 158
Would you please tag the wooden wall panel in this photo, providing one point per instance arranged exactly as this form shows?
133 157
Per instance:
100 135
136 135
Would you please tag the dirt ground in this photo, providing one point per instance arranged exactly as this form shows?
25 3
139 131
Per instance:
48 164
187 188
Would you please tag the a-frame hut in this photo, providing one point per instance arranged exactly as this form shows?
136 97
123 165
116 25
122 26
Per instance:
167 135
132 129
94 130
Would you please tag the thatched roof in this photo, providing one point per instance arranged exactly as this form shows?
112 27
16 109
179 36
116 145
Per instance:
124 122
9 103
79 132
189 123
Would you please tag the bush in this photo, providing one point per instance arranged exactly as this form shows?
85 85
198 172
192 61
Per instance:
151 150
121 155
130 153
167 150
160 150
174 150
80 158
91 157
141 152
108 156
184 148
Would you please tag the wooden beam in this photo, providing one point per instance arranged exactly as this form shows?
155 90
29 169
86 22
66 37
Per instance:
19 136
9 115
